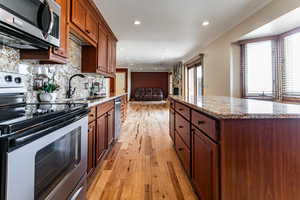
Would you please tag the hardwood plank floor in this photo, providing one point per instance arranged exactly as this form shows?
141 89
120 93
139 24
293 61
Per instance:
143 163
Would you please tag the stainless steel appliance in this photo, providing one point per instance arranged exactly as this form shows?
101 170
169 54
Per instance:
117 118
43 147
29 24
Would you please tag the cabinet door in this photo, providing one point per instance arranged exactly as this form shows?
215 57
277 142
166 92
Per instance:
205 166
64 30
113 57
78 14
101 137
172 125
110 127
109 55
102 50
91 148
91 27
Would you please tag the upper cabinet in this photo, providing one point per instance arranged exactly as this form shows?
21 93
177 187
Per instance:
53 55
78 14
84 21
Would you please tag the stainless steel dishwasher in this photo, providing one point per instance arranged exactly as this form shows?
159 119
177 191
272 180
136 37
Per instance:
117 118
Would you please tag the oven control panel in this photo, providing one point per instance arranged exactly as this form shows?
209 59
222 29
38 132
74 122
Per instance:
11 81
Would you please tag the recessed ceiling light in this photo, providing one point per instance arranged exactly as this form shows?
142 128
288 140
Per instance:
205 23
137 22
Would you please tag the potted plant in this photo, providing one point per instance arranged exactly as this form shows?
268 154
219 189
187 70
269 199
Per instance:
48 91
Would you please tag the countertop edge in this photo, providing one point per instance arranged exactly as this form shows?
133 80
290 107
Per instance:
238 116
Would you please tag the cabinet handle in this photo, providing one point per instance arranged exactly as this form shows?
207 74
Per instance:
92 115
180 126
201 122
87 31
180 149
180 109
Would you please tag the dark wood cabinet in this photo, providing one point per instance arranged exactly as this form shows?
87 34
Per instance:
91 148
204 166
79 12
172 125
102 51
183 153
110 127
91 27
101 137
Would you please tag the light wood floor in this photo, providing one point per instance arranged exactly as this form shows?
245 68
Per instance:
142 164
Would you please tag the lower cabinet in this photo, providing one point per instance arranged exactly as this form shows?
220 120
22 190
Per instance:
101 138
91 148
204 166
172 125
110 127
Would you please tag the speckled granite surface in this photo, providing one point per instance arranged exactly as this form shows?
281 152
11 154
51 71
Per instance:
235 108
95 102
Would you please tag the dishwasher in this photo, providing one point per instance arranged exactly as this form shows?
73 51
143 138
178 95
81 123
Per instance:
117 118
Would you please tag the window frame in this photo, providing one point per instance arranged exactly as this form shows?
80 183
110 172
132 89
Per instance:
245 93
278 67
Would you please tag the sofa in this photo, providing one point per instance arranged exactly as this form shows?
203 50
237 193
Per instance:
148 94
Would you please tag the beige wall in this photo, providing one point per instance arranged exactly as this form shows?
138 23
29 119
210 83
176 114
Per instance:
222 58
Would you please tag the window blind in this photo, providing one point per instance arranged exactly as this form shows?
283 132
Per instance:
291 72
257 68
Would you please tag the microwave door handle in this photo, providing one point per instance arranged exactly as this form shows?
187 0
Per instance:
74 197
51 18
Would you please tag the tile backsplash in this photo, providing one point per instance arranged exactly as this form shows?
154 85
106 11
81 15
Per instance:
10 62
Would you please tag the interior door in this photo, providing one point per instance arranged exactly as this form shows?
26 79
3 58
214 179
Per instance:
120 83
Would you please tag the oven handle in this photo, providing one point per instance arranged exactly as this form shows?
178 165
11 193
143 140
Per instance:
18 142
74 197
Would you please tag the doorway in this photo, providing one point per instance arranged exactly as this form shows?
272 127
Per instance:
121 81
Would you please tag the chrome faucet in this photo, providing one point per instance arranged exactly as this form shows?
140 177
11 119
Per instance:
71 91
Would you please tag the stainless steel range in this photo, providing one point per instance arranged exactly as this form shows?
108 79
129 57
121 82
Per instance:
43 146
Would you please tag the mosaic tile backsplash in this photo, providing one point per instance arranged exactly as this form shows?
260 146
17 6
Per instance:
10 62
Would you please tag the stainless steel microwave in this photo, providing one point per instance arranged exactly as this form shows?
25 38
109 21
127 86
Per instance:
29 24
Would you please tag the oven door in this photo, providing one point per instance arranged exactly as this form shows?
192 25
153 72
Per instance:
51 167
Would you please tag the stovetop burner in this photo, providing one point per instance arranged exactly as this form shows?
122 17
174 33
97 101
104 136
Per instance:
21 116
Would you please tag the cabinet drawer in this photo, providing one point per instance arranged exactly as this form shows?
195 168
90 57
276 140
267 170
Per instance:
205 124
183 110
104 108
92 114
183 153
182 126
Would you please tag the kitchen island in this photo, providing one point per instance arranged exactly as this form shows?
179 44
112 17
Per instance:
238 149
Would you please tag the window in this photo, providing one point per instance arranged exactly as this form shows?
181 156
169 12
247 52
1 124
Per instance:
258 69
195 82
291 74
271 67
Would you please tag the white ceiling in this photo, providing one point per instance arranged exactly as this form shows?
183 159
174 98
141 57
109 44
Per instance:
170 29
280 25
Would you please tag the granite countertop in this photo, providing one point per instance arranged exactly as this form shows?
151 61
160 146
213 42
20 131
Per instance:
90 103
236 108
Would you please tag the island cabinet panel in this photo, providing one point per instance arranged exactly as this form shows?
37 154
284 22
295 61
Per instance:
183 110
91 148
205 124
172 125
205 174
260 159
101 137
183 153
182 126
